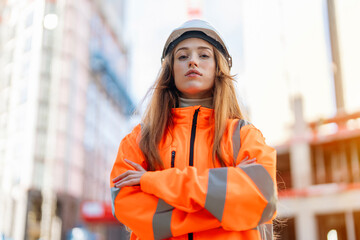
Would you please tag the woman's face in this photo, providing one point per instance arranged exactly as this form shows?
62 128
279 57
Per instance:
194 68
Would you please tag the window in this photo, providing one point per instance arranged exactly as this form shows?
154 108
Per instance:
33 217
8 55
4 101
284 229
38 177
332 225
357 224
44 89
27 44
25 68
43 116
3 124
40 146
47 38
29 19
283 176
22 94
336 161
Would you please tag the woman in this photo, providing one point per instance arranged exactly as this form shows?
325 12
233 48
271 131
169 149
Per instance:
195 169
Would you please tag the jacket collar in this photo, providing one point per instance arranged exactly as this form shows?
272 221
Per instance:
185 115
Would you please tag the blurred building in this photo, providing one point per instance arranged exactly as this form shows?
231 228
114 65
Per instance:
64 108
319 179
319 166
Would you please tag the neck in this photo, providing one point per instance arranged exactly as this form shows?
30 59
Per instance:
187 102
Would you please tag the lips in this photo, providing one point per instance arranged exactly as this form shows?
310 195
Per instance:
192 73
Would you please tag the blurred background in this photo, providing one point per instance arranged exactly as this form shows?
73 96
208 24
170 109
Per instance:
73 72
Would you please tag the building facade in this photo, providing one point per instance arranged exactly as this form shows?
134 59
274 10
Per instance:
319 165
319 179
64 109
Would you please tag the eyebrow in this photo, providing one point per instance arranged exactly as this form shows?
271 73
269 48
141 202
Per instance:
186 48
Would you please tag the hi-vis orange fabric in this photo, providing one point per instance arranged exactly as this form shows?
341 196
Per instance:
191 198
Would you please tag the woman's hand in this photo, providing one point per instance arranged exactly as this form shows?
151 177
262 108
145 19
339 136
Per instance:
130 177
246 161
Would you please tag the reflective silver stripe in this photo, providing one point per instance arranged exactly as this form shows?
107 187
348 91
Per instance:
162 220
216 193
236 141
269 210
265 184
266 231
114 192
243 123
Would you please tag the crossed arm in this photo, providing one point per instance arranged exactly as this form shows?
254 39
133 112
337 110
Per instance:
132 177
233 198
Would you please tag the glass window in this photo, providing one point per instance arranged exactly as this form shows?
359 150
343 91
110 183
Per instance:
47 38
29 19
46 62
337 161
8 55
357 224
331 224
4 101
44 89
38 176
28 44
284 229
3 124
20 117
25 68
42 116
284 171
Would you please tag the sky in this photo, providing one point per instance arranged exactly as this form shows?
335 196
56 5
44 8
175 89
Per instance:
280 50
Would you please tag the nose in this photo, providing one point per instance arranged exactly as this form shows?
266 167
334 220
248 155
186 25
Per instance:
193 62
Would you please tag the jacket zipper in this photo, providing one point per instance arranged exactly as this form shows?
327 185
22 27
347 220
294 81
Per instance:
190 236
191 155
192 138
173 159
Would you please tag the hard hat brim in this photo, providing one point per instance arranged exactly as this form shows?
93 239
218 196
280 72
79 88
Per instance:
196 26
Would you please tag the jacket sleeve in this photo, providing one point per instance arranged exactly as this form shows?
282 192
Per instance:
145 214
241 198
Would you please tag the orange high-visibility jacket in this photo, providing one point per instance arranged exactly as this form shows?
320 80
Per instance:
190 198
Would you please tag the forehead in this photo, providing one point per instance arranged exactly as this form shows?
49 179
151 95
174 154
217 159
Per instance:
193 43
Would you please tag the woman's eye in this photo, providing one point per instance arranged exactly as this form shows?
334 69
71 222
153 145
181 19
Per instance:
204 56
182 57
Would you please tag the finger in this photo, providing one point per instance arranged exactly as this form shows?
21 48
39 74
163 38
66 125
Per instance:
250 161
119 177
129 183
135 175
129 177
123 175
135 165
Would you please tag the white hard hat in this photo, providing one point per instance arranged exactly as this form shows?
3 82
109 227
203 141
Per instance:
196 29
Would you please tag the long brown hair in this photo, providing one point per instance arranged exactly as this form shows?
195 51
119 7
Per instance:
165 96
